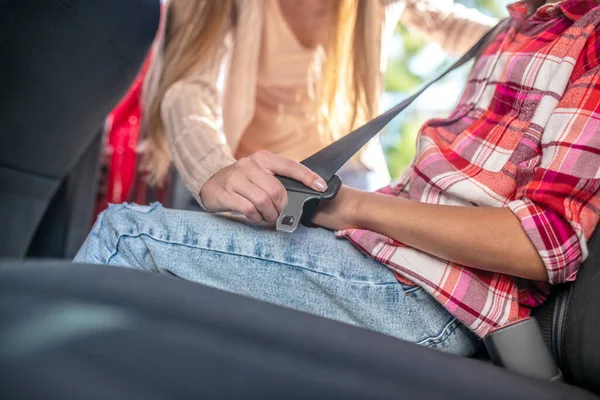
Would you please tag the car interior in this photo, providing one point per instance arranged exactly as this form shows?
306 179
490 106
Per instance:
71 331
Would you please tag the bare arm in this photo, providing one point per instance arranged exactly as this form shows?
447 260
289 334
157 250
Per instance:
486 238
542 234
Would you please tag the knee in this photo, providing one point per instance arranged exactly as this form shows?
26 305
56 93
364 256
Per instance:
102 239
113 226
125 220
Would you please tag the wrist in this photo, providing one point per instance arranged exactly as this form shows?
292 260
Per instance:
353 210
200 199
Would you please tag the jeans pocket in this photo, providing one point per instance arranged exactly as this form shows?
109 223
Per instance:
417 293
408 286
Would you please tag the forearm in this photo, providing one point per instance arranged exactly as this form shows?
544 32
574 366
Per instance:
486 238
190 121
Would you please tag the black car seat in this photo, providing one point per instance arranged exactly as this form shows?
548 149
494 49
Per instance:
571 323
52 111
99 332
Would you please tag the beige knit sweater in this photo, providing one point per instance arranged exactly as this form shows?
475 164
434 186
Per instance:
204 124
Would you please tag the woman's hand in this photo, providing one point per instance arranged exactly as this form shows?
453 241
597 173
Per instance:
340 212
249 187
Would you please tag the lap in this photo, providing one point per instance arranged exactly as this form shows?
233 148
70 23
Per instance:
185 231
309 270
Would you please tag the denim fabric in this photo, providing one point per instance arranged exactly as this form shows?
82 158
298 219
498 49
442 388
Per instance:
309 270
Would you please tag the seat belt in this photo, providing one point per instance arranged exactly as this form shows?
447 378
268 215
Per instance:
519 346
303 201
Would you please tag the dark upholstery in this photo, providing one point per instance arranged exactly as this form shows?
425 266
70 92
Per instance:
65 64
100 332
570 322
581 343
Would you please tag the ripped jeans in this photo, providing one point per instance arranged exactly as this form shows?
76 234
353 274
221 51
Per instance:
309 270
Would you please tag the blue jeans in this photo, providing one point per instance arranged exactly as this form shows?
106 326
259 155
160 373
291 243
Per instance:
309 270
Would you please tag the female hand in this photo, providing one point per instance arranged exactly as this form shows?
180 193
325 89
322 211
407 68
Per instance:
249 187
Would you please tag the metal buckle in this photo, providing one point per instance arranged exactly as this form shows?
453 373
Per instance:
303 202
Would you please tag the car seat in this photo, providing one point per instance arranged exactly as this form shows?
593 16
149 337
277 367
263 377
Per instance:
65 64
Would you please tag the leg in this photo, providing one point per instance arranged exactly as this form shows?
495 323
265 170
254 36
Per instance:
309 270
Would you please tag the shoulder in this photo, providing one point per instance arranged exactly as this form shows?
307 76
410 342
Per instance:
589 57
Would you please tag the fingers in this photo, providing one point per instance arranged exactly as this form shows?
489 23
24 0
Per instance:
242 205
270 185
289 168
249 190
260 201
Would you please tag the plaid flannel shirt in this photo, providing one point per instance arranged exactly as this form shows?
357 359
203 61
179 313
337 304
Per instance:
524 135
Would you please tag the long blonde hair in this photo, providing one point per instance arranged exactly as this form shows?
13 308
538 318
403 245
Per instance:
346 96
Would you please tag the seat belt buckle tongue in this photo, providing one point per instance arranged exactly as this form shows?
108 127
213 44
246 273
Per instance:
303 202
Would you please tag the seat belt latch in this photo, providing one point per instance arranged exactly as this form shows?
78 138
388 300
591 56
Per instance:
520 347
303 202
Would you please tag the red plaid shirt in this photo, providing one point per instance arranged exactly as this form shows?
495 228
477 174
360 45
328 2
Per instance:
524 135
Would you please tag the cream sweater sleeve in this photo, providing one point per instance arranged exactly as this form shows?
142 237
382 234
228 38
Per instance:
191 113
453 26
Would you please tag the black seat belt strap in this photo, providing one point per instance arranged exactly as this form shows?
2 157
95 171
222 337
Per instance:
303 201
